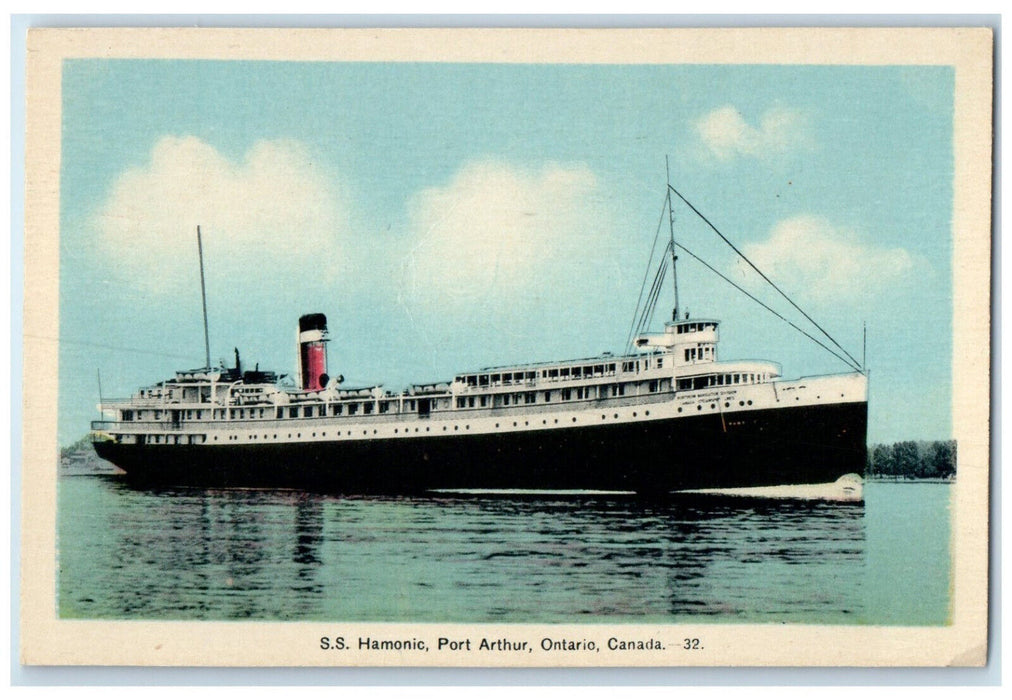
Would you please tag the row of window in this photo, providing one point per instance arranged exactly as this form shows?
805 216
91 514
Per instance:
642 365
551 374
156 414
371 407
279 412
693 327
171 439
579 393
199 439
188 394
727 404
701 352
709 380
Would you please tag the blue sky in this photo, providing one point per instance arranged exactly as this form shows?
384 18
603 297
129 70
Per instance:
447 217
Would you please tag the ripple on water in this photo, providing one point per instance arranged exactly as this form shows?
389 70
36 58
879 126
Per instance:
220 554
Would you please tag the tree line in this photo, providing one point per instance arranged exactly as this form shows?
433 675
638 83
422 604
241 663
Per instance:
913 460
83 444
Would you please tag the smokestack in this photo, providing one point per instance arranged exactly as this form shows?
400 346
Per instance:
313 338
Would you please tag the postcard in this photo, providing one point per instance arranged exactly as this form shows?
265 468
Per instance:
506 347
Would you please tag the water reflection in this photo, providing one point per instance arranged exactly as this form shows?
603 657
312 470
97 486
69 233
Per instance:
264 554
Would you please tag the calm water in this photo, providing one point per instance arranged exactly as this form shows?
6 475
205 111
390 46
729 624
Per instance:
282 555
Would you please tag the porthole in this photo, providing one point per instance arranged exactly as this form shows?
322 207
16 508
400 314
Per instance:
526 423
749 402
713 405
496 425
467 427
514 424
646 413
699 407
727 405
574 419
603 416
395 431
298 435
456 427
634 414
616 415
679 409
426 429
373 432
314 434
741 403
444 428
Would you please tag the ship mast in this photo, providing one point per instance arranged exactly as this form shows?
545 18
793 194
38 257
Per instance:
203 299
645 306
671 243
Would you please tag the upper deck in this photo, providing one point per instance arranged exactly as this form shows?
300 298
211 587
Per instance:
676 362
686 350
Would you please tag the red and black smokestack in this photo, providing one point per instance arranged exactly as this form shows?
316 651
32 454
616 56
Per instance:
313 338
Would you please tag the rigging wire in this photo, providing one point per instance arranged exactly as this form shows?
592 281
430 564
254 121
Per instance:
770 309
646 273
651 300
655 292
853 362
119 348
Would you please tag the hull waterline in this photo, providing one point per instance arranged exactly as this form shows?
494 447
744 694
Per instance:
796 445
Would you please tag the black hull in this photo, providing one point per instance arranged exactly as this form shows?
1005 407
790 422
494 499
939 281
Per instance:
803 445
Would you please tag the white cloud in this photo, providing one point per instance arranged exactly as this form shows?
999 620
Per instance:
276 206
825 264
725 134
496 226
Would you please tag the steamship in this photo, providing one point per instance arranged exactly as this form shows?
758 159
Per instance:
665 416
